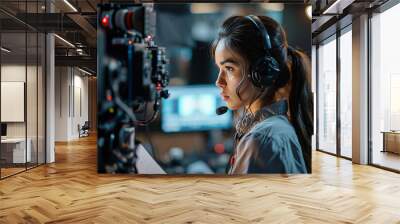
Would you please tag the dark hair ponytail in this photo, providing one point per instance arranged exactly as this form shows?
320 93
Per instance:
301 102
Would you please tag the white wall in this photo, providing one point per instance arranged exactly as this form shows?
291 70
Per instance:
12 73
80 101
71 94
61 103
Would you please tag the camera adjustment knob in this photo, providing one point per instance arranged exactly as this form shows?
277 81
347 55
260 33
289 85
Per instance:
164 94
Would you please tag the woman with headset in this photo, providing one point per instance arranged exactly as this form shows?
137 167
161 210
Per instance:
266 78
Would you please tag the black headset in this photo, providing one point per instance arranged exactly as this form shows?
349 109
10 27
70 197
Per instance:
265 70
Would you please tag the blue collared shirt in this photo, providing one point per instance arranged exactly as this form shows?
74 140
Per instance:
271 146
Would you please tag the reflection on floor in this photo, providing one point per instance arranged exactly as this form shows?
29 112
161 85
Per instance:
387 159
346 152
10 169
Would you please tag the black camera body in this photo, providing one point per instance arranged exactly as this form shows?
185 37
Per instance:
132 73
127 36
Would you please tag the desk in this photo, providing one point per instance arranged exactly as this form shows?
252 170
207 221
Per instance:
391 141
16 147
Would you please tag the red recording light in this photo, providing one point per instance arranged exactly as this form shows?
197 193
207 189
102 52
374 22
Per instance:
158 86
109 97
219 148
105 21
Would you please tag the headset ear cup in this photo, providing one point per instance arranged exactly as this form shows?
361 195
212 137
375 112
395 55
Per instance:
256 69
273 69
265 72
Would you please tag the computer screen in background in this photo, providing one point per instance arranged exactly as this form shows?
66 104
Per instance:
192 108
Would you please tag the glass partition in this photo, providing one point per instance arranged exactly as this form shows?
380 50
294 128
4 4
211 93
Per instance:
31 97
385 89
22 87
14 151
41 91
327 96
346 94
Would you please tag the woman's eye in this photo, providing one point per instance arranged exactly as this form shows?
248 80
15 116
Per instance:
229 69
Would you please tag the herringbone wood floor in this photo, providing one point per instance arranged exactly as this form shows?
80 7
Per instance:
70 191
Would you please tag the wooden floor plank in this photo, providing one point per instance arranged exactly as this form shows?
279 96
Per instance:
71 191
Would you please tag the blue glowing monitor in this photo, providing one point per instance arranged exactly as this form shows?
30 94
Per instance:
192 108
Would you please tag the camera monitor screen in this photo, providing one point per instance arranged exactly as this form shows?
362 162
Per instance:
192 108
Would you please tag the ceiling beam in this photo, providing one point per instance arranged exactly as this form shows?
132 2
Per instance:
82 61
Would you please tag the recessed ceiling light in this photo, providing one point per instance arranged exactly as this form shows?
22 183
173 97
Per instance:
65 41
337 7
309 11
70 5
84 71
5 50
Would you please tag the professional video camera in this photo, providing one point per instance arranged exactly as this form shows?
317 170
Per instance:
132 74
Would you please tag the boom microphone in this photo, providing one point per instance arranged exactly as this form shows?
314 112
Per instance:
221 110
